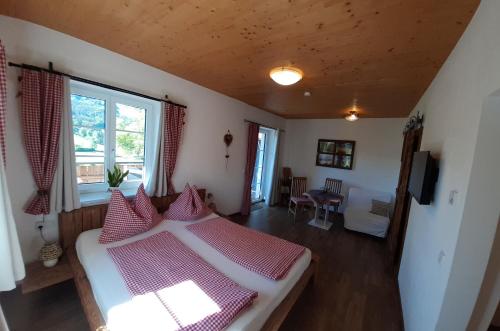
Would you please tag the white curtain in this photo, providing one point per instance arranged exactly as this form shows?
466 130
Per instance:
156 180
3 322
11 260
273 183
64 193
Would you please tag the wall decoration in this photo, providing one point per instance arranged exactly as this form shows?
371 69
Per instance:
228 139
335 153
326 147
414 122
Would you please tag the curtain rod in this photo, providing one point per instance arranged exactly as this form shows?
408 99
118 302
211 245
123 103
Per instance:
264 126
91 82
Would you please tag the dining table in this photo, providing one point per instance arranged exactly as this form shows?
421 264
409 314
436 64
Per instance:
322 198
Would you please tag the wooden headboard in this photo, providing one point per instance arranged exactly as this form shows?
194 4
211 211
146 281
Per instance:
72 223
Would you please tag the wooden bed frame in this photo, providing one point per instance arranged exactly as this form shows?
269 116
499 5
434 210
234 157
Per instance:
71 224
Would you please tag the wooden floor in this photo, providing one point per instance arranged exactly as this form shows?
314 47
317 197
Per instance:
355 289
56 308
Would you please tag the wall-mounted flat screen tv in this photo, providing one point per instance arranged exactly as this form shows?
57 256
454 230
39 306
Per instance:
423 176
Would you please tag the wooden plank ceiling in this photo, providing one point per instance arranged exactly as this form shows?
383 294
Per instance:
384 53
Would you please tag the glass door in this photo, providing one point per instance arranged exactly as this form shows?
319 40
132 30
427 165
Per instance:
258 173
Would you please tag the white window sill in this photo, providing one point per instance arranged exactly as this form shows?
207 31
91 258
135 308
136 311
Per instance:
99 198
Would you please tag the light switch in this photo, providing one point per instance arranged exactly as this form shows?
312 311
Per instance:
451 198
441 256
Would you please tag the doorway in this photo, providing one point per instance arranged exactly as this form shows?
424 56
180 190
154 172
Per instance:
259 170
397 231
265 160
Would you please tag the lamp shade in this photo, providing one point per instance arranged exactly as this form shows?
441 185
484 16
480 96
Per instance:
286 75
353 116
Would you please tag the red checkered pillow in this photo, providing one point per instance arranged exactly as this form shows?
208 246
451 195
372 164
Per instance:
121 221
145 209
201 208
187 207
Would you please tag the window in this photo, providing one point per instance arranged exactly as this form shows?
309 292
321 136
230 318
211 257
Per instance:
89 118
110 128
129 143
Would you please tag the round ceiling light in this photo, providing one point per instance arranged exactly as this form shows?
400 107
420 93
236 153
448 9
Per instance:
286 75
353 116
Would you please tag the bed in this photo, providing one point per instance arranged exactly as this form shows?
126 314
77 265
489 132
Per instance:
104 295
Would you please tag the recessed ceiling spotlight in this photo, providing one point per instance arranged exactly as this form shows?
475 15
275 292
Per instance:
286 75
307 94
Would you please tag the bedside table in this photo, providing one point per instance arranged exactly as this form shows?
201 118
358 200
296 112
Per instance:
38 276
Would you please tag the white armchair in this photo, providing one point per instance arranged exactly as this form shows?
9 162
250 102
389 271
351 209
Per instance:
357 216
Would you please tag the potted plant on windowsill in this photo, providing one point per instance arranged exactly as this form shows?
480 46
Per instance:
115 178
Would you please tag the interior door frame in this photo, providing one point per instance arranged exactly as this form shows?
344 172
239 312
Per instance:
399 222
263 170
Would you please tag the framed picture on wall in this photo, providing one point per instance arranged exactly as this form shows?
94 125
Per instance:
325 160
326 146
335 153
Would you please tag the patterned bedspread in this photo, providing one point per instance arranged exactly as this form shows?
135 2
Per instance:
259 252
189 293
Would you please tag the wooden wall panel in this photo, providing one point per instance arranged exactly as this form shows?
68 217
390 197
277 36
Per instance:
71 224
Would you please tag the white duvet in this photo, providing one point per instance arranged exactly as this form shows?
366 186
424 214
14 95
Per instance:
121 312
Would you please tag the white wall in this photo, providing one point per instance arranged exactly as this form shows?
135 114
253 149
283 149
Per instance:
210 114
377 152
479 222
487 309
447 245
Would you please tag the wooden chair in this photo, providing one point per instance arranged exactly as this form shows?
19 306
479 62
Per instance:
297 198
335 186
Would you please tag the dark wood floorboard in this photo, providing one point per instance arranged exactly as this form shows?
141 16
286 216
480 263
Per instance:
56 308
355 289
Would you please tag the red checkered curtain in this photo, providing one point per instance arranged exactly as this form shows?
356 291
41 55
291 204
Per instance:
3 101
253 137
41 110
174 120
